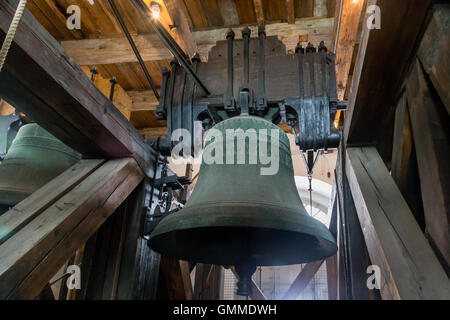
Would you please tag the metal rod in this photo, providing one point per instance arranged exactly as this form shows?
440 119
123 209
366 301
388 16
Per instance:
246 36
229 100
262 100
177 52
133 46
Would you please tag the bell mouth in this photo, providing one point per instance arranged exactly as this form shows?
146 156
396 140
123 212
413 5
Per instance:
223 246
215 234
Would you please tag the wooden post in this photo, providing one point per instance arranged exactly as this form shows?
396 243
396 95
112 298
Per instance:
353 244
208 282
409 269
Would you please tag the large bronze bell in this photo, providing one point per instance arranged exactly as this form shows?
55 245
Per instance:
238 217
34 158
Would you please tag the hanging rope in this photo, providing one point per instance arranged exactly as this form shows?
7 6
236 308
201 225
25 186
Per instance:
11 32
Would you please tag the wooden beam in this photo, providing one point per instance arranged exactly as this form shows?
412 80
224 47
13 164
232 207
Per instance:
120 98
404 161
117 50
153 132
181 32
208 282
346 34
303 279
380 71
432 140
259 11
290 11
54 91
434 49
177 278
140 266
143 100
33 255
409 268
24 212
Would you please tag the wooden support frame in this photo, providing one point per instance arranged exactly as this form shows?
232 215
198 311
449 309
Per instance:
49 239
431 139
404 161
375 87
434 49
303 279
54 91
352 243
409 268
208 282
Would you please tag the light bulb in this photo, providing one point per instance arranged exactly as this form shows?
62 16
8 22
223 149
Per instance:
156 10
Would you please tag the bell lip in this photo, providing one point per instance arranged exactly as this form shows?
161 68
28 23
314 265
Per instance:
157 244
164 234
247 214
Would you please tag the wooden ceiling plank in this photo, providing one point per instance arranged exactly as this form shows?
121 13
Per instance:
246 11
213 13
196 13
229 12
290 11
346 38
181 33
259 10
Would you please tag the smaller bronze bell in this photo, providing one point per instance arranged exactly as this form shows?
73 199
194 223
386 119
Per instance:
34 158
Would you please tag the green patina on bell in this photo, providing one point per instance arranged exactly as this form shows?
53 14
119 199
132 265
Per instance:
238 217
34 158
